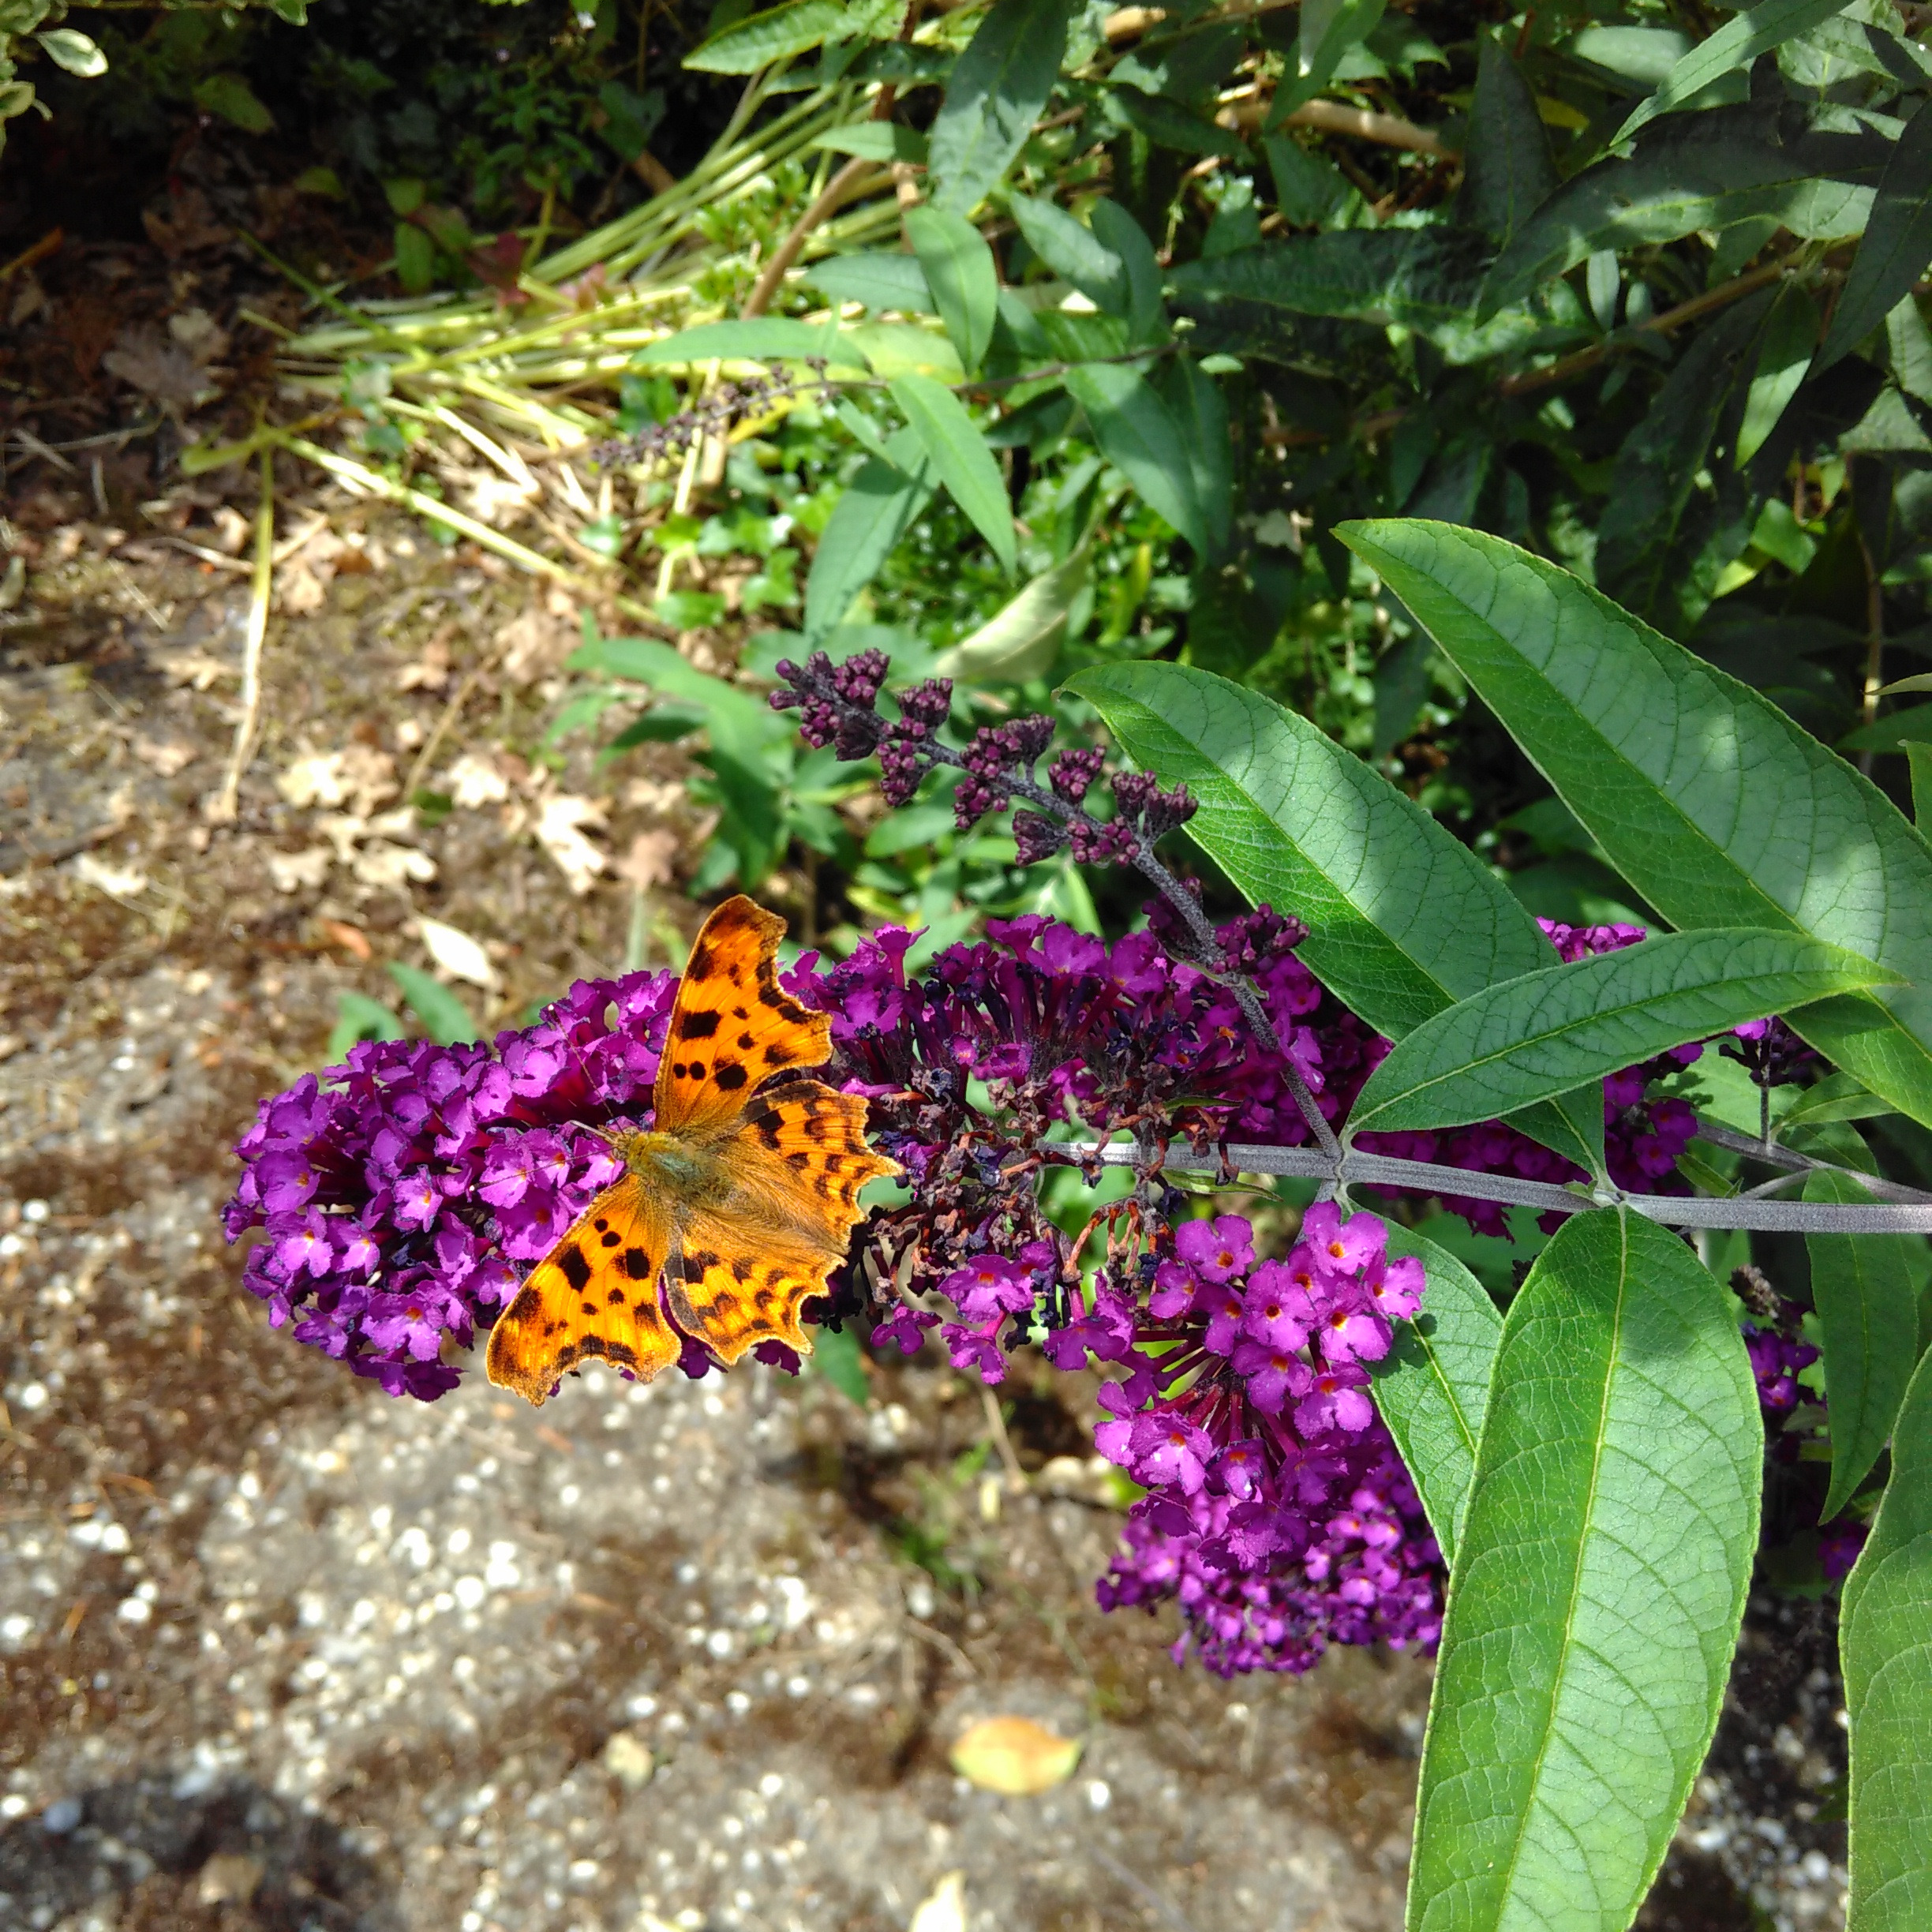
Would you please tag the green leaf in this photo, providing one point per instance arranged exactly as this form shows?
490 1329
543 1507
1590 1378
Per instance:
1115 229
1838 1097
1911 343
1530 1038
1432 1387
415 258
879 281
835 1355
1308 188
1708 799
1704 170
1426 279
1021 642
66 47
444 1017
1598 1587
764 339
959 457
1138 435
997 90
1883 1622
1167 124
880 504
1784 355
231 97
1919 757
1656 509
1327 29
960 272
735 718
875 141
1896 245
358 1017
1403 918
1507 172
1074 253
777 34
1735 44
1194 401
1868 1309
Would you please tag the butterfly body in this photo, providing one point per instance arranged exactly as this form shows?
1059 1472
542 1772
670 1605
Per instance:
735 1205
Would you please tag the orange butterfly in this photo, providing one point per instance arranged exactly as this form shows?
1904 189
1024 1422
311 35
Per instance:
742 1200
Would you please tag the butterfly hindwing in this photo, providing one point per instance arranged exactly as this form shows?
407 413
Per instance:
800 1151
739 1282
732 1025
595 1293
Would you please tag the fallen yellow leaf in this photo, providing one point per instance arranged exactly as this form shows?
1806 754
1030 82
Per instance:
1014 1757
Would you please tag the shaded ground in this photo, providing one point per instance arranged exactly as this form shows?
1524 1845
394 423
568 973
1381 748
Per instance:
281 1652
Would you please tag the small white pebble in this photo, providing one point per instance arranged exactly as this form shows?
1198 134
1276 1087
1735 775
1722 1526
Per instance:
35 1211
34 1396
1097 1794
134 1610
470 1591
770 1784
15 1629
13 1806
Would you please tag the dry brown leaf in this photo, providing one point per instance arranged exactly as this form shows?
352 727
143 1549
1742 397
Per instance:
431 672
302 871
144 358
473 780
1015 1757
352 939
166 755
535 644
651 860
559 820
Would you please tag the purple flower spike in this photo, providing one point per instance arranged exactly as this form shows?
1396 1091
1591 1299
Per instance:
400 1192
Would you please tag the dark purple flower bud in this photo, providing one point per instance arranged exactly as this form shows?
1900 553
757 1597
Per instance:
858 678
1036 837
972 799
1072 772
929 704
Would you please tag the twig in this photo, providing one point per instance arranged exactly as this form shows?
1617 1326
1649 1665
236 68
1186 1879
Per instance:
843 187
26 257
227 803
1428 1177
1388 130
1773 1156
1721 296
419 770
996 1424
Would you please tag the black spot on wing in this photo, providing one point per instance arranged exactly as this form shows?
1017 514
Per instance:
637 1264
576 1269
741 1270
698 1025
615 1297
731 1078
589 1307
701 964
612 1239
524 1307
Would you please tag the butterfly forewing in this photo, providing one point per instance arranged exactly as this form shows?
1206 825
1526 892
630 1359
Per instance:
595 1293
732 1026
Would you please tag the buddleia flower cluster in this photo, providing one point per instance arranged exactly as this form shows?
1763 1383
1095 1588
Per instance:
403 1195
